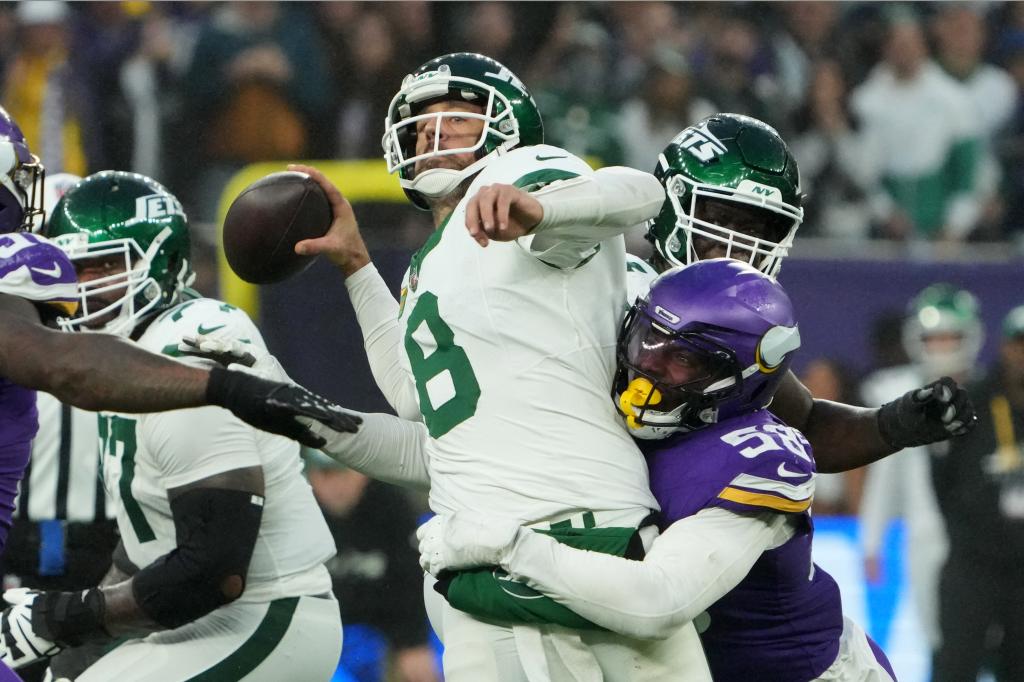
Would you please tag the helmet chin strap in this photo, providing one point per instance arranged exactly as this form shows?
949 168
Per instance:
440 182
436 182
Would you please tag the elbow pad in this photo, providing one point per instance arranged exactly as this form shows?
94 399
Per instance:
216 533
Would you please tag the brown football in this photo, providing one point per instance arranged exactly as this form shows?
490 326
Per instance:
265 222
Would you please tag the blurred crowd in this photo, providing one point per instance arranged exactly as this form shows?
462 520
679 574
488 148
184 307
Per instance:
905 118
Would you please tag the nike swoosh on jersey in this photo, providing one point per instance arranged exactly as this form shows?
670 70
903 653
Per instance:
209 330
548 158
49 272
786 473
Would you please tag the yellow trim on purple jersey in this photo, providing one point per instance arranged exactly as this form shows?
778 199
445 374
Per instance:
764 500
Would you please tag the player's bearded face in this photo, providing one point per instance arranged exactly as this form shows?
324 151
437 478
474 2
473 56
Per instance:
669 362
747 220
91 269
455 132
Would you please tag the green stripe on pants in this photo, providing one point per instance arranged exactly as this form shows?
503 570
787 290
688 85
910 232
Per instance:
254 650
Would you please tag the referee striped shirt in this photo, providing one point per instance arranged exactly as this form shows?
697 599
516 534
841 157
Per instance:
63 479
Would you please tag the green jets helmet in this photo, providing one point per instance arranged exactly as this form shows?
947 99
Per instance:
942 332
736 161
510 115
133 222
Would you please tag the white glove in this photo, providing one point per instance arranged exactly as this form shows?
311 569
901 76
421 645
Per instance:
234 354
464 540
19 644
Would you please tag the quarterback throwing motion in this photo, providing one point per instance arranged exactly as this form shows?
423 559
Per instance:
505 353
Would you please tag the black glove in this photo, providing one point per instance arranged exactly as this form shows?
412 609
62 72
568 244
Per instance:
273 406
926 415
20 644
69 618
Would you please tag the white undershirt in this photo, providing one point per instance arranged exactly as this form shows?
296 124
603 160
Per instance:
386 448
377 314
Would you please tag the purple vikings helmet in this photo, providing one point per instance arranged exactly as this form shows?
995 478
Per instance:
21 179
711 341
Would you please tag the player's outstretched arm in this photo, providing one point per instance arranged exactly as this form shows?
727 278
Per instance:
690 566
586 208
386 447
846 437
102 372
92 371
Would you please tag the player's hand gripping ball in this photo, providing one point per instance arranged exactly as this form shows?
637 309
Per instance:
265 222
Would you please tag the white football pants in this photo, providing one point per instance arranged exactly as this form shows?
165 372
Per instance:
296 638
476 651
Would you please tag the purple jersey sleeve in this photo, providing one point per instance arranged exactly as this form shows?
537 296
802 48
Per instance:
33 268
751 463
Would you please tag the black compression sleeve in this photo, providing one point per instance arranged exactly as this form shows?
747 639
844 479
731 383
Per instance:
216 532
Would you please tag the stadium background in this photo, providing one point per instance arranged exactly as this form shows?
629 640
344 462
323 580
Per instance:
207 96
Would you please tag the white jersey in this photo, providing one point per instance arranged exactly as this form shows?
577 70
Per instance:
639 275
513 358
145 455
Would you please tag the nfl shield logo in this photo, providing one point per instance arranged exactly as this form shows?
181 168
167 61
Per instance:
414 278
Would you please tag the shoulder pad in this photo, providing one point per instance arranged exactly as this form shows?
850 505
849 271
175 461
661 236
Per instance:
534 167
34 268
635 263
770 465
201 316
639 275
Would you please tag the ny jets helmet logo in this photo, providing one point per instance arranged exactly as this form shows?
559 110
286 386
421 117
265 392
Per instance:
700 142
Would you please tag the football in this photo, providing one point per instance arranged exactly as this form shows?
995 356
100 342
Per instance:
265 222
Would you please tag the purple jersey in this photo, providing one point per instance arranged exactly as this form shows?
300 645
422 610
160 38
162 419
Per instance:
34 269
784 619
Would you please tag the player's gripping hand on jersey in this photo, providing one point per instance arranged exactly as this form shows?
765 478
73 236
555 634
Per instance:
926 415
257 390
502 213
453 542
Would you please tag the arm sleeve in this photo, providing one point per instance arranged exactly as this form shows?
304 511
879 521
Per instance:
216 531
690 566
582 211
190 445
386 448
377 314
